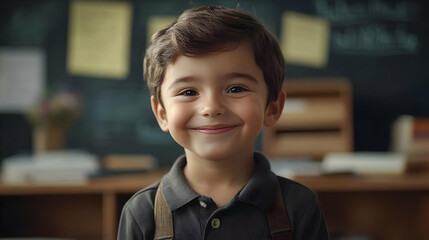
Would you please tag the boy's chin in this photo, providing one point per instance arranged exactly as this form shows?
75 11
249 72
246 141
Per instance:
211 155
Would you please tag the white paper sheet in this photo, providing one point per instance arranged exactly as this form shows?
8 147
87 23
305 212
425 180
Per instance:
22 77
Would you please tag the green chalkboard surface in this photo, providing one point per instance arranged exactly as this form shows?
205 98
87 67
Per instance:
381 46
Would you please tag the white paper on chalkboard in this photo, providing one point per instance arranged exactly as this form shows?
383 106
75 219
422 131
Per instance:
22 76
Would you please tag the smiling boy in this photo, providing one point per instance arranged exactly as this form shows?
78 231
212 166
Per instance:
216 77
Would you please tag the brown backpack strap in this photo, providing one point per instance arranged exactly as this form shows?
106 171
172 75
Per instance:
163 217
278 219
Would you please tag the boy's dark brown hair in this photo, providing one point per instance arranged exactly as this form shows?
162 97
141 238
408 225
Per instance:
208 29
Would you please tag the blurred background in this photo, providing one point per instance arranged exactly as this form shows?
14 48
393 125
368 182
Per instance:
76 66
381 50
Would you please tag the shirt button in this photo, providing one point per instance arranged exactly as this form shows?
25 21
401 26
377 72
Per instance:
203 204
215 223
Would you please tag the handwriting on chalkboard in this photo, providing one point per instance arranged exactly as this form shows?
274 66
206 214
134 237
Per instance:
371 27
374 38
341 10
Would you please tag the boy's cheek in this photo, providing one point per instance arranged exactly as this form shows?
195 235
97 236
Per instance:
253 115
253 109
178 117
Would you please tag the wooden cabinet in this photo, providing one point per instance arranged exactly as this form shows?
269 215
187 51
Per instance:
379 207
385 207
79 212
316 120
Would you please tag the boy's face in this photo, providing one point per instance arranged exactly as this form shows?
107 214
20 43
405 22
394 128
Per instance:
214 105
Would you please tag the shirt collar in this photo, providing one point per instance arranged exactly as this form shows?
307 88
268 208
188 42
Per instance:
259 191
175 188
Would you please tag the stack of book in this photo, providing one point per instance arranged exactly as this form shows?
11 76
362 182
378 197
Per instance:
124 164
294 167
365 163
420 140
410 135
62 167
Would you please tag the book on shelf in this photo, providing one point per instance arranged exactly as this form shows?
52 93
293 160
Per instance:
59 167
123 164
293 167
365 163
129 162
410 135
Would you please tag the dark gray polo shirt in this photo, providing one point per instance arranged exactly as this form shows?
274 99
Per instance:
244 217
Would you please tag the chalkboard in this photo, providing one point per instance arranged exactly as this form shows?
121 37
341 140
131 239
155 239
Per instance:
381 46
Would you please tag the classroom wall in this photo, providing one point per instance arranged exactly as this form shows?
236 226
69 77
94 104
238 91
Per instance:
380 46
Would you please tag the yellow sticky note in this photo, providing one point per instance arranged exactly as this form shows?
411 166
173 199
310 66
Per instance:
99 38
156 23
305 39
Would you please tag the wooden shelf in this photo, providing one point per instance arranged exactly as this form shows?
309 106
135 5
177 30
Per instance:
320 112
316 120
318 143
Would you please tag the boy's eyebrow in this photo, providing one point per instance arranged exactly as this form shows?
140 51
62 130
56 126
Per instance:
228 76
240 75
181 80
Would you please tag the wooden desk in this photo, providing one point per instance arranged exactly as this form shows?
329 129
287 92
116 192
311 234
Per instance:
390 208
80 212
384 207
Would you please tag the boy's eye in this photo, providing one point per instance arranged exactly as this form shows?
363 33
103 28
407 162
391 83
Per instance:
188 92
236 89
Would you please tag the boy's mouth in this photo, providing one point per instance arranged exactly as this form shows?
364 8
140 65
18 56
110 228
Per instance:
214 129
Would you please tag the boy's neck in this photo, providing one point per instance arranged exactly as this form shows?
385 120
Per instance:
219 179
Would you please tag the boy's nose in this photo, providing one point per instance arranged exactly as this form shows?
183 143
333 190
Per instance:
212 106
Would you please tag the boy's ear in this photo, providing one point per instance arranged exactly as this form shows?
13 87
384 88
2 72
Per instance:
274 110
160 113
